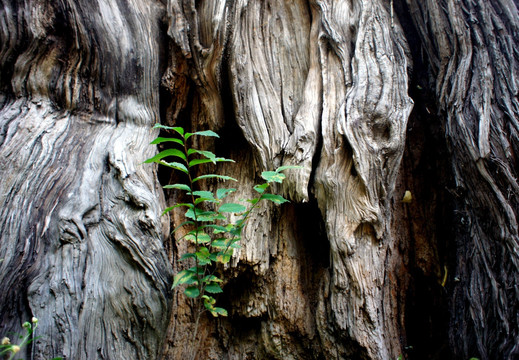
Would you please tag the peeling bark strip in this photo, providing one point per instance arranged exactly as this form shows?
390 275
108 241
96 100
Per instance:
79 215
364 116
472 49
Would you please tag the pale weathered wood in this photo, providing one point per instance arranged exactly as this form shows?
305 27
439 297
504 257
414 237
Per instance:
302 74
80 215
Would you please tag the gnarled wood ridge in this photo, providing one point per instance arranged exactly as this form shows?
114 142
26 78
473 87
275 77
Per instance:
347 270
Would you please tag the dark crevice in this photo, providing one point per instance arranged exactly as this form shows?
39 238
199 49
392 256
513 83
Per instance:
430 248
431 242
231 136
312 234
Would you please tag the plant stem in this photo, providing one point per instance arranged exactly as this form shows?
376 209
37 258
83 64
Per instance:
198 306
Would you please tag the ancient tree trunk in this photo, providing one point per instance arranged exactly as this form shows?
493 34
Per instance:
346 270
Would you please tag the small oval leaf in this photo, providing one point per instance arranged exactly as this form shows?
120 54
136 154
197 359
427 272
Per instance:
177 186
210 176
213 289
232 208
277 199
192 292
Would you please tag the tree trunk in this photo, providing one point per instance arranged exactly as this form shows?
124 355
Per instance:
472 60
347 269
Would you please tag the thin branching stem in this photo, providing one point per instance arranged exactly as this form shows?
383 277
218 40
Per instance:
207 252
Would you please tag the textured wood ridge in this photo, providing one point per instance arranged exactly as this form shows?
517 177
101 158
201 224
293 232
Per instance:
472 49
79 216
324 84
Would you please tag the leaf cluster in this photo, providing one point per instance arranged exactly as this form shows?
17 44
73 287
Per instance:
207 222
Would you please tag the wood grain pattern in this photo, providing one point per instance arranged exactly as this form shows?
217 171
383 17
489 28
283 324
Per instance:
472 50
346 270
80 216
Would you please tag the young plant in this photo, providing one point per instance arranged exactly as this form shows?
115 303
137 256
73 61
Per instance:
12 350
207 225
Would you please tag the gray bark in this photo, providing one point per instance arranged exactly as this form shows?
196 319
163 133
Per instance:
346 270
80 216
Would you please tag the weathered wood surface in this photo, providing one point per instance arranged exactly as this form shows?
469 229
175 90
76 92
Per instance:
346 269
79 215
322 85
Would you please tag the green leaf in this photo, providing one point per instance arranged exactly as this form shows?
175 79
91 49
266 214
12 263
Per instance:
202 253
222 159
220 311
187 256
205 262
221 243
236 230
208 156
224 243
204 195
188 205
261 188
199 269
235 245
202 237
201 200
166 210
277 199
176 128
202 133
232 208
286 167
272 176
213 289
192 281
222 193
175 165
212 278
194 213
200 161
208 305
224 257
169 152
192 292
209 300
178 186
204 215
160 140
205 153
209 176
183 277
205 161
218 229
253 201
